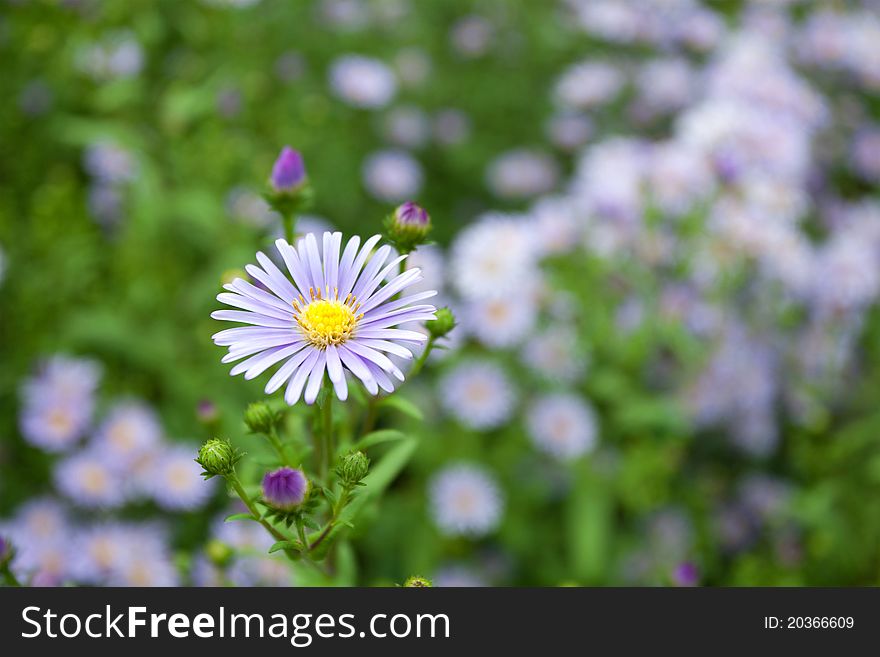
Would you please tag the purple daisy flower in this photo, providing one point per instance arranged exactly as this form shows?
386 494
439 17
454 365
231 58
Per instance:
285 488
335 315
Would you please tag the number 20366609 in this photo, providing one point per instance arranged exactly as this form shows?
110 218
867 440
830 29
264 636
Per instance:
809 622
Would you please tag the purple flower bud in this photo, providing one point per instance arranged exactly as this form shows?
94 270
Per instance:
411 214
289 171
285 488
686 574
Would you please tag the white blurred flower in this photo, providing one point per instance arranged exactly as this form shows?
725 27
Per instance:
407 126
588 84
465 501
478 394
362 82
392 176
562 425
522 173
494 256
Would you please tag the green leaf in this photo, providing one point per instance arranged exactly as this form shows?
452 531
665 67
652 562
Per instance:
403 405
310 523
346 564
378 437
284 545
588 528
239 516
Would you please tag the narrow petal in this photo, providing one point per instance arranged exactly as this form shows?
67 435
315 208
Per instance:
227 337
393 334
377 357
238 301
267 361
316 377
334 365
366 288
359 368
410 277
294 388
352 274
285 371
341 388
390 347
400 312
382 379
250 318
246 289
313 261
370 270
400 303
332 243
345 263
294 266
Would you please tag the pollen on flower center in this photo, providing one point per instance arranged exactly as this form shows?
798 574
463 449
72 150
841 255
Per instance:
325 320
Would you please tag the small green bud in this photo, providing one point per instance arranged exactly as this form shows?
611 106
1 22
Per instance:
352 468
259 418
416 582
441 326
217 457
219 553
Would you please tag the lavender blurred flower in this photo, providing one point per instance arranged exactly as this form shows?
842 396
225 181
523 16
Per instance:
175 480
58 402
686 574
335 315
89 479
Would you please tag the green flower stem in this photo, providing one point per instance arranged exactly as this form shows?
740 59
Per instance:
279 447
277 535
370 416
289 221
417 366
337 510
327 425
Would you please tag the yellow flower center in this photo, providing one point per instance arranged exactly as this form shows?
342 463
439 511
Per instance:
325 320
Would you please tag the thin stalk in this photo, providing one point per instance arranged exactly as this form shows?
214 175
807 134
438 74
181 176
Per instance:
289 221
240 491
278 445
327 422
337 510
420 362
370 416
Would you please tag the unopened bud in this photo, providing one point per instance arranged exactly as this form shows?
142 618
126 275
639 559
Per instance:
352 468
217 457
416 582
288 172
259 418
442 325
407 227
285 489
